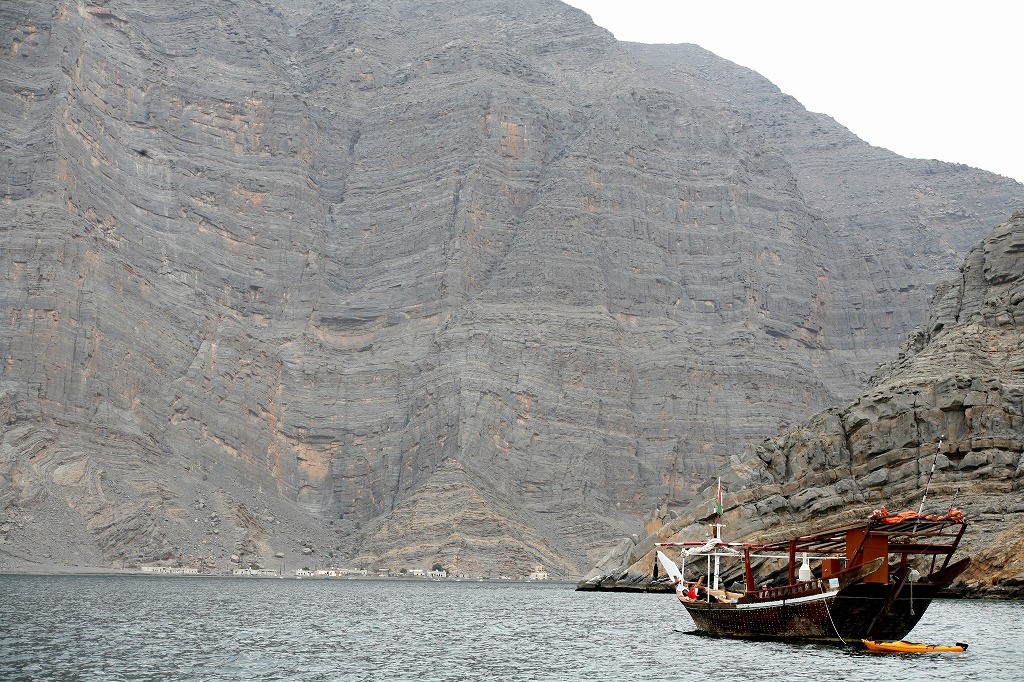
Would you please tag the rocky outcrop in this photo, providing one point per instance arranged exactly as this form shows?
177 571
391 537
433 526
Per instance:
407 281
960 379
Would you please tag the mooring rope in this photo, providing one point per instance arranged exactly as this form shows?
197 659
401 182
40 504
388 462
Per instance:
829 612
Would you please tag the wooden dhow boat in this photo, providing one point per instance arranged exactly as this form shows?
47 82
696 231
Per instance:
854 582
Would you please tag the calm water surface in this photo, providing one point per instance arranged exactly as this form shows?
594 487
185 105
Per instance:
151 628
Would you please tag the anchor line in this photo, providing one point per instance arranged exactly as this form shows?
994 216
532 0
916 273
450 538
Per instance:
829 612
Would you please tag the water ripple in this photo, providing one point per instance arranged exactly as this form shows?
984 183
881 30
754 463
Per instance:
153 628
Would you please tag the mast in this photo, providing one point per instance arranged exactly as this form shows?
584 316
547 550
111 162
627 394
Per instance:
719 508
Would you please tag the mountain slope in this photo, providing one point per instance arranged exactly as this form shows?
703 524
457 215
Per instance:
275 272
961 379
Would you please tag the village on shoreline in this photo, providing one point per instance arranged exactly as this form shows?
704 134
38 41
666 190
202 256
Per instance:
537 574
256 571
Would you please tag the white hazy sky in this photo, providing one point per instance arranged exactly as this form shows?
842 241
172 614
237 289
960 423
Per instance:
933 80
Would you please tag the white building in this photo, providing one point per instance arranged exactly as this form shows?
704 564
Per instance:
539 573
183 570
170 570
352 571
261 572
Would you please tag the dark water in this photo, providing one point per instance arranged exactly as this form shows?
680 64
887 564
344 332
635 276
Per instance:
150 628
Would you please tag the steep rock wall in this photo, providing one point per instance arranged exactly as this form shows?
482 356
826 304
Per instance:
311 276
960 379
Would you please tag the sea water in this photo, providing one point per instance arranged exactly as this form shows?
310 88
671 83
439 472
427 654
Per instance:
196 628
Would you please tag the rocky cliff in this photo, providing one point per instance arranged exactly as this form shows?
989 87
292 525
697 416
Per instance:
960 379
397 282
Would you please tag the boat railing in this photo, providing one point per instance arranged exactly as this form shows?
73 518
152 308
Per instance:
800 589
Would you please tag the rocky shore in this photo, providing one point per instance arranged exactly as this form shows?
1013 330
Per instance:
960 379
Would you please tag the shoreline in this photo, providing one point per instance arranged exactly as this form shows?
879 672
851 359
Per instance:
112 573
106 571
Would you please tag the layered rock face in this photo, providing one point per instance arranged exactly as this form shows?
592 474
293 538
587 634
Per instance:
402 282
961 380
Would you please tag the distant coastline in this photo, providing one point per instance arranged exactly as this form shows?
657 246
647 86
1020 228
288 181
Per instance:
64 570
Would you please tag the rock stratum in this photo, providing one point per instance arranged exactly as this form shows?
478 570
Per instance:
959 379
388 283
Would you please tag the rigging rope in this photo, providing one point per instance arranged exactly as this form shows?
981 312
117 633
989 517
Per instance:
928 483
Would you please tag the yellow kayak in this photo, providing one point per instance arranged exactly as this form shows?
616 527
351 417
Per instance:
904 647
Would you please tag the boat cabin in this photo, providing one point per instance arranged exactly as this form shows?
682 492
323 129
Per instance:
892 539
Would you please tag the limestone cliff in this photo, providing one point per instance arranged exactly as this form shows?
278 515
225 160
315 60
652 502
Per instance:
397 282
961 378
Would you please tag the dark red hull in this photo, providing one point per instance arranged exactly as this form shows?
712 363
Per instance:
852 612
